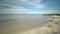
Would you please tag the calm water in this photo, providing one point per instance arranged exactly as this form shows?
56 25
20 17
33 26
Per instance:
22 17
17 23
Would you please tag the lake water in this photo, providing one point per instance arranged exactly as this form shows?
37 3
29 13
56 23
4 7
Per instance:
19 23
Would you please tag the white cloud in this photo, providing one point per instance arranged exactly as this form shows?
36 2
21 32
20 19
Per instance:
18 6
35 3
23 0
14 10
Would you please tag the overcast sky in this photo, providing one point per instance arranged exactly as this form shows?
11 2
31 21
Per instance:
29 6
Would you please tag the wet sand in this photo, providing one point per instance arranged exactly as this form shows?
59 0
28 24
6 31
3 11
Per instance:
16 24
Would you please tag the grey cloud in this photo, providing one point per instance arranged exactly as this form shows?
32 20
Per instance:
4 7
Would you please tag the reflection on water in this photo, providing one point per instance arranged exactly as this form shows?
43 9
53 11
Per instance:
18 23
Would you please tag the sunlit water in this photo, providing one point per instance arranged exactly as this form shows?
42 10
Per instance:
19 23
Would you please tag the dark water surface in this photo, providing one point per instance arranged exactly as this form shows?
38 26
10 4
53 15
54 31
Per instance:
15 23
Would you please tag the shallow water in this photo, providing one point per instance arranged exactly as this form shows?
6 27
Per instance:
19 23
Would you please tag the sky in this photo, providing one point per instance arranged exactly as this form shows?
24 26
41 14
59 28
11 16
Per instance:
29 6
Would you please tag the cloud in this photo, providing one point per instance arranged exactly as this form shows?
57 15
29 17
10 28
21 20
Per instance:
20 6
14 10
18 10
36 4
31 4
25 7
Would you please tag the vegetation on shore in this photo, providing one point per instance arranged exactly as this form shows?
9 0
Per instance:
51 14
